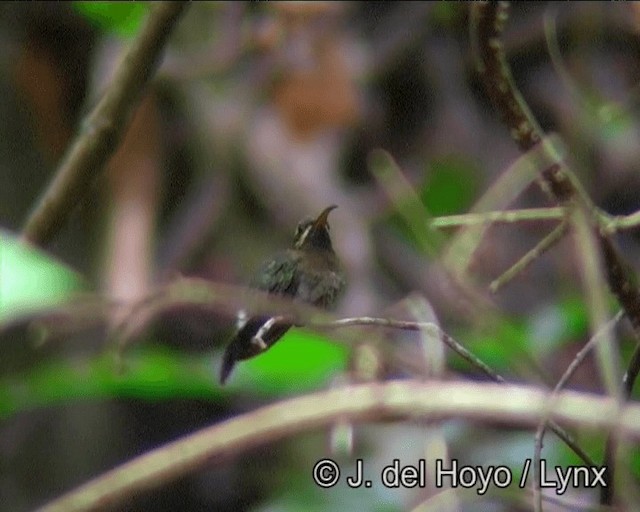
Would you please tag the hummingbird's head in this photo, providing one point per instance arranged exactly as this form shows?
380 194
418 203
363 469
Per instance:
314 233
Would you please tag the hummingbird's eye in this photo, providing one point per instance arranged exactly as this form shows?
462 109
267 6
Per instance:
300 230
302 227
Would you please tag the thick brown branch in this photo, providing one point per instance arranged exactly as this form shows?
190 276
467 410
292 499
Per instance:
368 402
102 130
490 18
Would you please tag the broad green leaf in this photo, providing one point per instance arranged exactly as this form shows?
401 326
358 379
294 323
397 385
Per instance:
300 361
498 348
149 374
30 279
120 18
450 186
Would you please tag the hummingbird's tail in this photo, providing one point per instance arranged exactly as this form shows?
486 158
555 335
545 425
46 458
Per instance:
228 362
256 336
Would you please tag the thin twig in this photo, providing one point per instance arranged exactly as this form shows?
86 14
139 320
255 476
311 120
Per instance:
501 216
622 222
458 349
103 128
366 402
428 327
544 245
571 369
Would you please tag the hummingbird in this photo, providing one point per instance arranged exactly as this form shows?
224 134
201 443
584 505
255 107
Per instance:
309 272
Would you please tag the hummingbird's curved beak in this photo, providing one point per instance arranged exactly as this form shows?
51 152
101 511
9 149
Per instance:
321 221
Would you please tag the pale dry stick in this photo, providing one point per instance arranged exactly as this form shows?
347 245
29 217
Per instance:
542 427
543 246
427 327
591 269
613 223
501 216
365 402
607 355
104 127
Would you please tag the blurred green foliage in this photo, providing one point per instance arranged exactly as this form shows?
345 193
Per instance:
450 186
300 362
31 280
119 18
150 373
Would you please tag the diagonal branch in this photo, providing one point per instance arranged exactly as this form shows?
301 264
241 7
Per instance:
544 245
102 130
488 19
459 349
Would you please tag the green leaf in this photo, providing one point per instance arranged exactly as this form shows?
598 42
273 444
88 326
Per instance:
30 279
120 18
150 373
300 361
450 186
499 347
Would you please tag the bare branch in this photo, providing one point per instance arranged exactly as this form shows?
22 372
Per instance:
103 128
428 327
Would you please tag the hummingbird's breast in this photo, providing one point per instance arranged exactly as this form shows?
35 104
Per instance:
321 279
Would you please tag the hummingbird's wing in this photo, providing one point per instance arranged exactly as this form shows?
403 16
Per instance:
278 276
